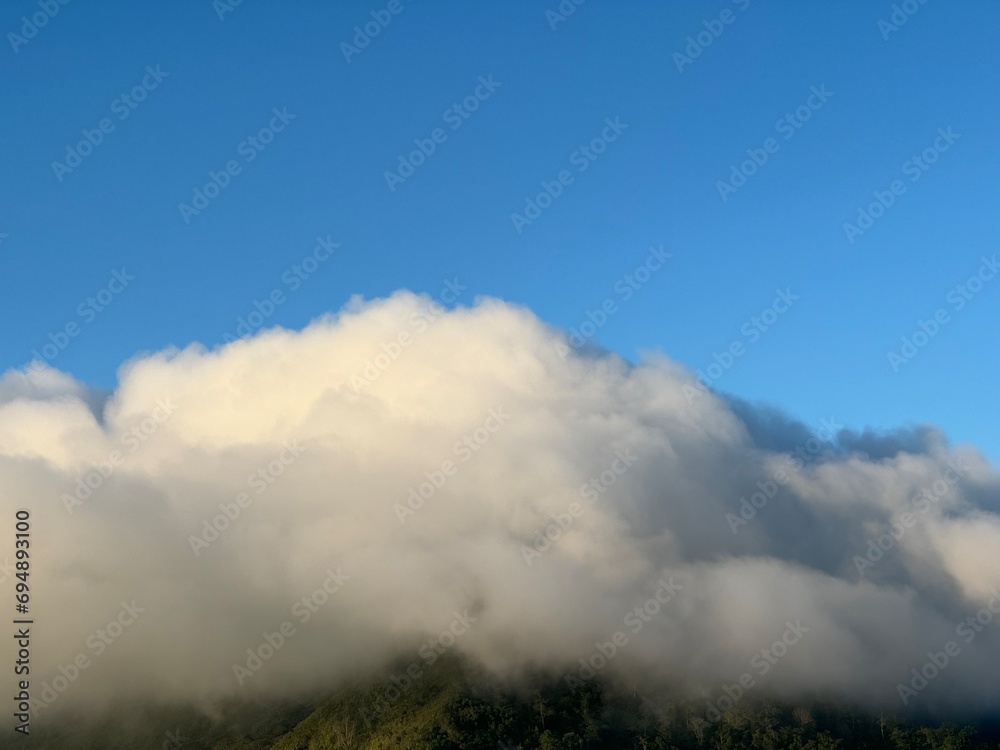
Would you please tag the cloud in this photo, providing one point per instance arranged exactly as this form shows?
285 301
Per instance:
422 470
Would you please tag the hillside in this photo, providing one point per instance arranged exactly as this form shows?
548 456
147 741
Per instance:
449 708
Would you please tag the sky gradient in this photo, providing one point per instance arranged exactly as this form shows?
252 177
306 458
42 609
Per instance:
609 107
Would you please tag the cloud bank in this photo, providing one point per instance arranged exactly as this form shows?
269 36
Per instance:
397 481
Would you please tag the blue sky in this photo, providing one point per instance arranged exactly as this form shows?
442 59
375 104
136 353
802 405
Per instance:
686 113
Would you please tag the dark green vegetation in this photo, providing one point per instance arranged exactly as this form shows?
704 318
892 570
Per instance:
447 708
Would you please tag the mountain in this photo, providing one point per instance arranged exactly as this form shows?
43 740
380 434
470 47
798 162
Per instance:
452 706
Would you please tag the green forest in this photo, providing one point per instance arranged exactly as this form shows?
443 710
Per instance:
450 708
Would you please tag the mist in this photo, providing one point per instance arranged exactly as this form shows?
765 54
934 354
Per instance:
396 482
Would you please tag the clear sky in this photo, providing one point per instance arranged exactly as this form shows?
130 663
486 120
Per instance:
833 105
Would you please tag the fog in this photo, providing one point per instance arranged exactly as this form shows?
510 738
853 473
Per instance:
377 489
